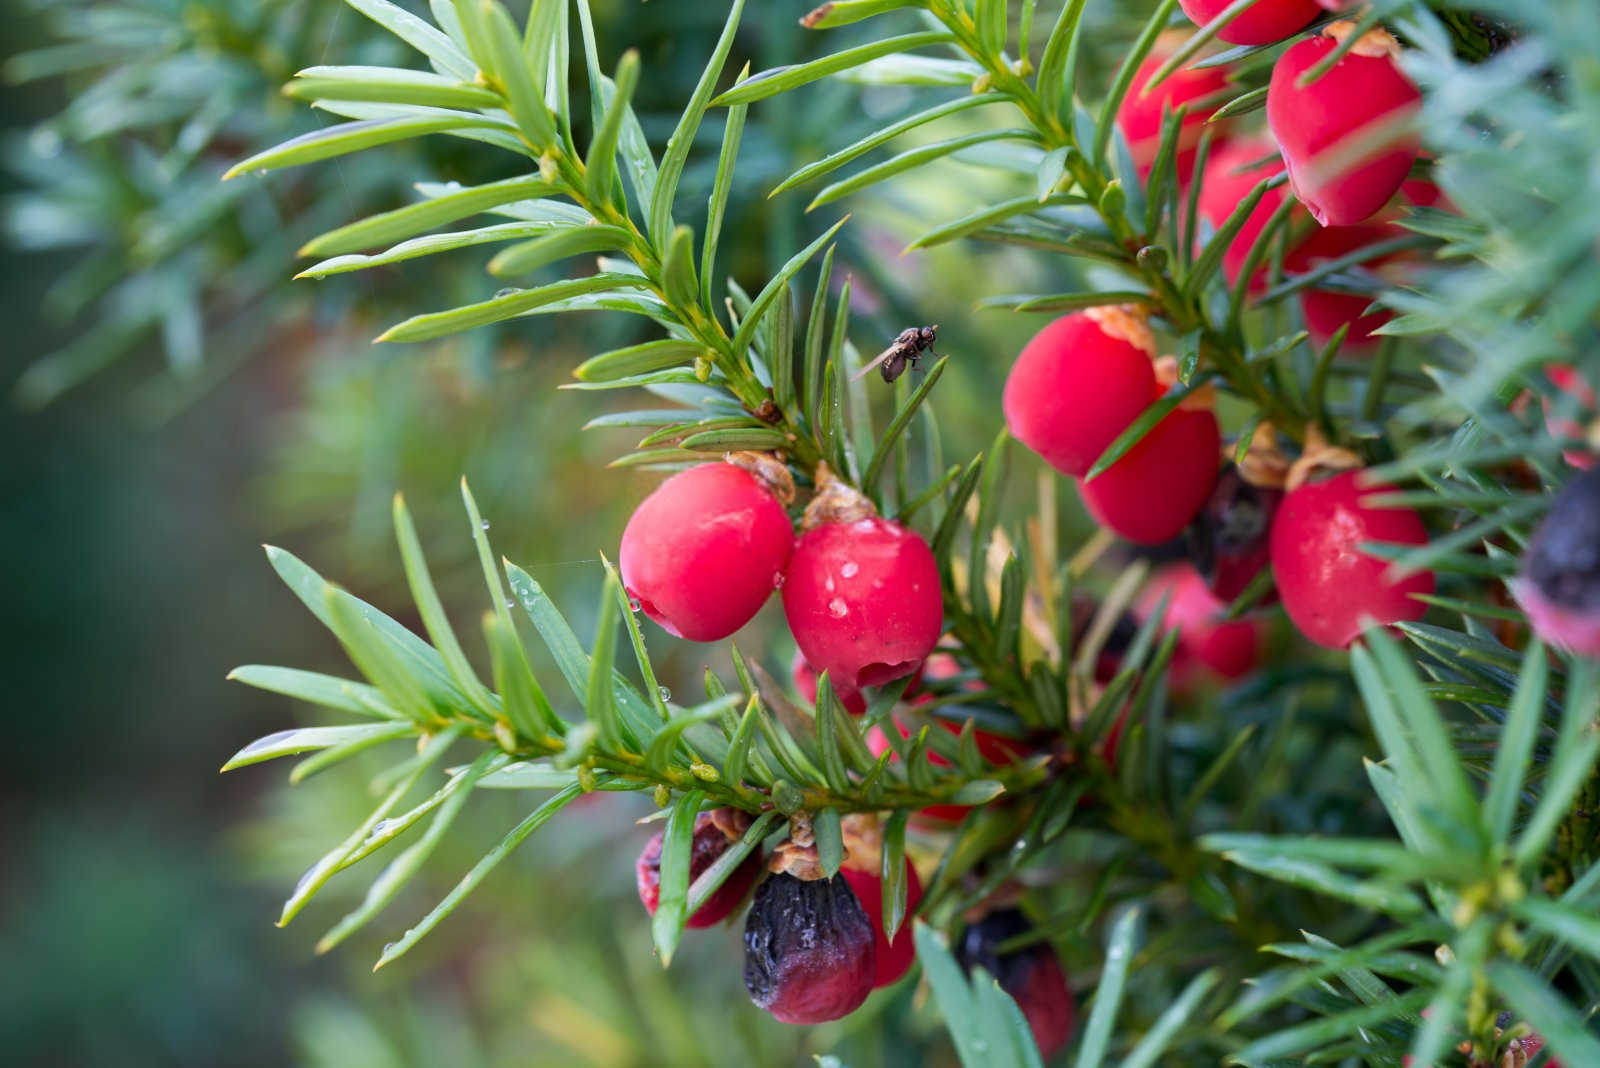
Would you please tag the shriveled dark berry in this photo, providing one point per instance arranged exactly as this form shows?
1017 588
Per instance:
711 840
1560 583
1230 541
1031 975
808 949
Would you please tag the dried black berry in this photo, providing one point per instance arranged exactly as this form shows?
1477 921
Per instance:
1031 975
1560 583
1229 540
808 949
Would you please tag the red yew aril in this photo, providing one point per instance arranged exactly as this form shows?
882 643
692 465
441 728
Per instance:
1232 171
893 958
1228 649
1229 540
713 833
1327 310
805 683
1263 22
1328 585
992 747
1078 384
863 600
1571 382
1141 113
1032 975
704 551
1152 492
1345 137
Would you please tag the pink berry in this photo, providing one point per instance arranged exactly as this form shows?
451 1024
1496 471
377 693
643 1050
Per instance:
863 600
1264 22
1078 384
808 949
893 958
1362 105
1329 586
1232 171
704 551
1150 494
1141 114
1559 586
1228 649
711 840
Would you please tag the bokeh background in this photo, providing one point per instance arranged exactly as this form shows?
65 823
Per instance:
169 400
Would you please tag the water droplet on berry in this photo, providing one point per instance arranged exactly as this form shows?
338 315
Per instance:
828 584
837 608
777 580
849 569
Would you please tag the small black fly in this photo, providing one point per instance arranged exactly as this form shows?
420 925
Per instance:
905 351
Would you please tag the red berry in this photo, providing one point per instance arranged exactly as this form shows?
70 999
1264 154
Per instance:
704 551
1263 22
863 600
709 843
1559 586
1141 114
1327 310
805 683
893 958
1328 585
1571 382
1151 493
1230 649
1232 171
1229 539
994 748
1361 105
1032 976
808 949
1078 384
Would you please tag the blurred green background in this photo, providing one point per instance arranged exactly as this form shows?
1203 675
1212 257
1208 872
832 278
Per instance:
194 403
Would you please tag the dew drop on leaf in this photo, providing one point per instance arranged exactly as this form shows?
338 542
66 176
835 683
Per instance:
666 694
634 605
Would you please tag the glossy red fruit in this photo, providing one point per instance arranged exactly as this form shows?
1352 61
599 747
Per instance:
1032 976
1228 649
1159 485
1582 395
1263 22
1327 310
893 958
1362 105
863 600
808 949
1328 585
1078 384
1559 586
704 551
994 748
1230 540
1232 171
1141 114
710 841
805 683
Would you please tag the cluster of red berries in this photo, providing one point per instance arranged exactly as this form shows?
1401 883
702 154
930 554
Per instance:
1343 137
816 946
702 554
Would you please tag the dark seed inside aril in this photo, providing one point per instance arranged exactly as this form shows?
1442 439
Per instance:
1229 540
808 949
1564 559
